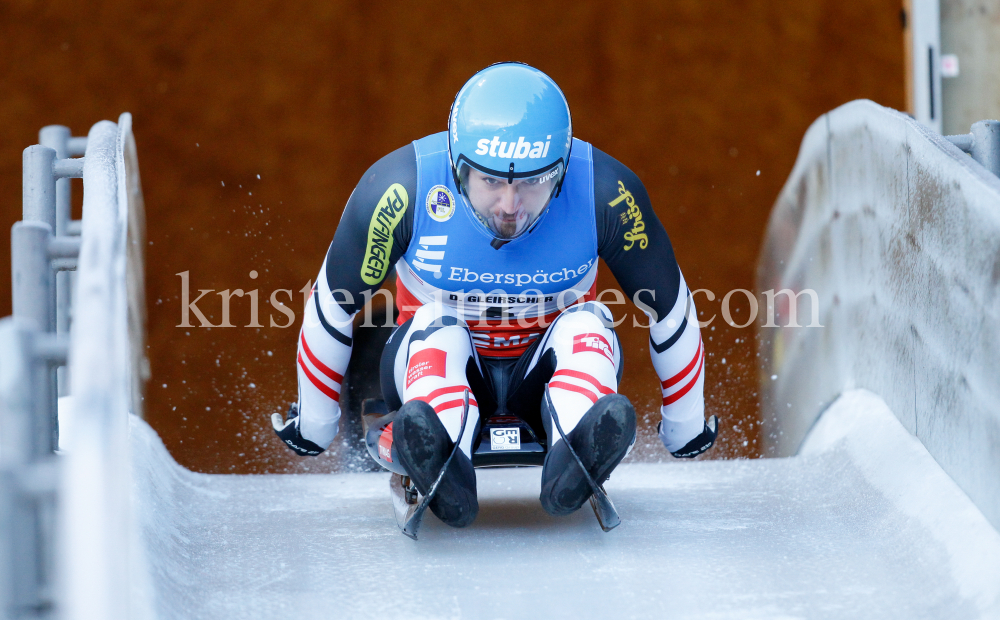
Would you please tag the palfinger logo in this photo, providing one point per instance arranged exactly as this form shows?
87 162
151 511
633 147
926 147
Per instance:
386 217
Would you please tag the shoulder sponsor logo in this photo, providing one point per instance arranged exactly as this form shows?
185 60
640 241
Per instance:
387 216
440 203
425 363
592 343
522 149
633 214
426 252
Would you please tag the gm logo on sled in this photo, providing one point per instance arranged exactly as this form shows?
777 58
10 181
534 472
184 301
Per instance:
505 439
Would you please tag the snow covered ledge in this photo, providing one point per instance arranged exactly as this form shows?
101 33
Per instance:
898 232
860 426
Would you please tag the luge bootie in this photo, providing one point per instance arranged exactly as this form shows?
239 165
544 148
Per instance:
601 440
423 445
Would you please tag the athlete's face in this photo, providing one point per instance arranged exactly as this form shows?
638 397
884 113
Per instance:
509 208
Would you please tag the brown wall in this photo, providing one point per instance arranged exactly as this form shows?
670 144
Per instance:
695 96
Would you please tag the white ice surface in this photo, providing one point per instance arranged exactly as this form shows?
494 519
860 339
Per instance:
863 525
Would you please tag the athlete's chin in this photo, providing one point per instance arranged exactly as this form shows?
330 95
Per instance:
507 231
510 229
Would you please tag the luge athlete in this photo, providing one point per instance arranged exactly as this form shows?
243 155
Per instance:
495 228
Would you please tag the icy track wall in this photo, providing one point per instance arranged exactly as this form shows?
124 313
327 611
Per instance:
898 232
100 556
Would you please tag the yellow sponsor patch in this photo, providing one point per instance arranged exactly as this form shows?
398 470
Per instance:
634 214
387 216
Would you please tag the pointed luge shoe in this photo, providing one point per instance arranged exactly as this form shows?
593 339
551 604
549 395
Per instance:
601 440
423 445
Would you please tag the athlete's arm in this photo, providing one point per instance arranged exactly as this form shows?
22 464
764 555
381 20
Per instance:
373 233
361 256
634 244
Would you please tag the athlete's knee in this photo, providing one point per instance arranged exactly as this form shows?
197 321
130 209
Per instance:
593 309
436 315
433 333
439 327
435 369
589 316
599 310
582 338
592 319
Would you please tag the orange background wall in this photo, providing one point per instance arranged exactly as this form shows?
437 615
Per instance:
696 97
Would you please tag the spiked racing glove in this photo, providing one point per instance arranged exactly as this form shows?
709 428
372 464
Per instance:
288 432
701 443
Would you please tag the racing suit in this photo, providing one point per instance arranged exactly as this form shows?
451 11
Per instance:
500 321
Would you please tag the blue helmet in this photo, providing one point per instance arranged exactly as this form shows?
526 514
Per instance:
510 122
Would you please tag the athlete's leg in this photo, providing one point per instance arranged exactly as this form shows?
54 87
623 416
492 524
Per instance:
583 351
426 367
431 358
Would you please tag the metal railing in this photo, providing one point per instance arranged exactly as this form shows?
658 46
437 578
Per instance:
59 139
28 471
44 249
33 348
65 541
982 143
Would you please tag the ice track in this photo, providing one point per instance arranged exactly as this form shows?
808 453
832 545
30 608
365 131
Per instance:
894 227
862 524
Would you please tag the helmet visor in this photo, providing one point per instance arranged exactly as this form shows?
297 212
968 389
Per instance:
508 207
